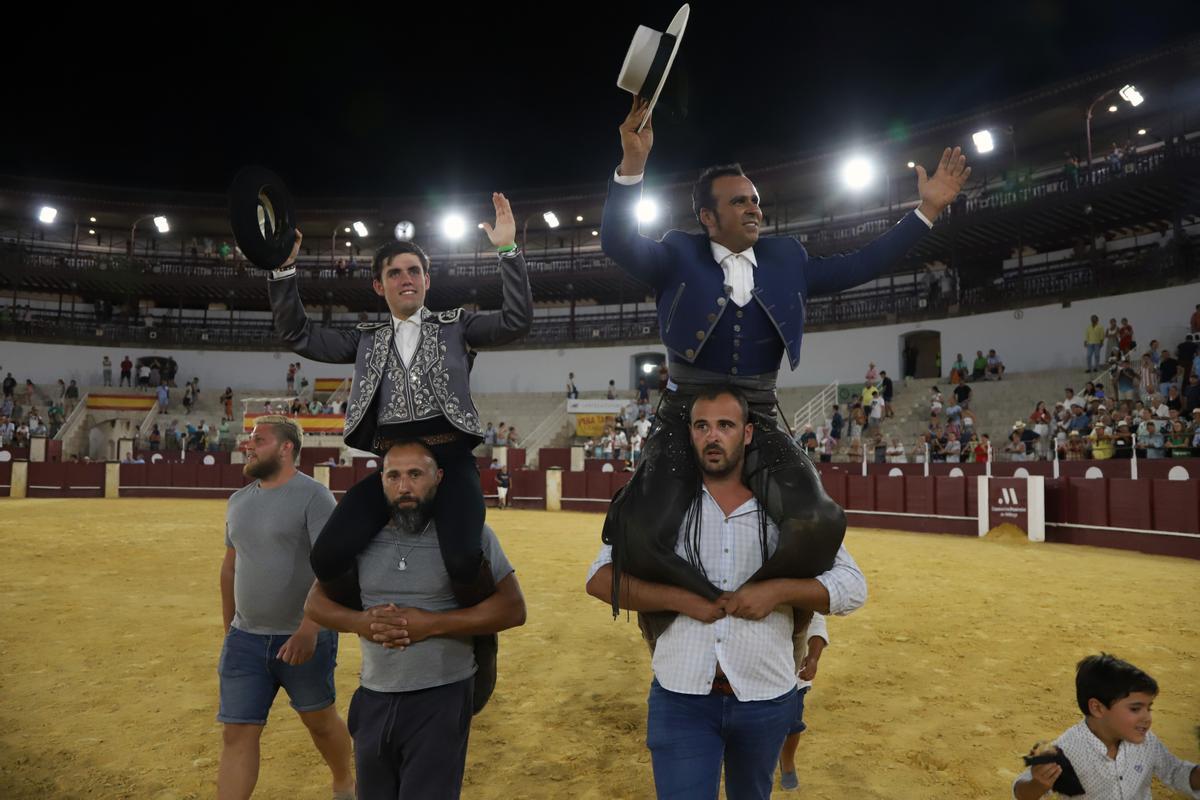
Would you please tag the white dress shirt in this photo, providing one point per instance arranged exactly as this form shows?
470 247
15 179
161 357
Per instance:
1127 777
738 269
756 655
407 333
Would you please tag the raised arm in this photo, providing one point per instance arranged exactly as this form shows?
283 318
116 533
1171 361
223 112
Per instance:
638 255
331 345
515 316
832 274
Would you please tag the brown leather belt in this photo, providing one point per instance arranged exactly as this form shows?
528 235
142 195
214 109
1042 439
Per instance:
720 685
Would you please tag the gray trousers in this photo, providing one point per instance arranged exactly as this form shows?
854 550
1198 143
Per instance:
411 745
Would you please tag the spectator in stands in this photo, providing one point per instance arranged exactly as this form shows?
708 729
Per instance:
315 407
189 397
643 395
1191 395
995 367
155 438
855 451
635 447
227 401
296 408
511 439
606 444
291 378
1178 441
642 426
71 396
612 390
886 390
1194 323
1123 442
489 435
156 375
869 391
835 425
805 435
502 433
858 423
572 392
1039 422
164 397
1101 443
872 376
952 449
7 429
1151 441
1174 401
1089 393
1093 340
1126 381
106 370
935 402
1076 449
1154 350
876 414
1125 336
1071 171
979 367
620 444
223 437
30 392
126 373
496 463
663 378
962 396
1147 378
910 361
1158 407
1186 354
895 452
1080 421
21 435
1111 335
959 372
144 377
10 385
1168 372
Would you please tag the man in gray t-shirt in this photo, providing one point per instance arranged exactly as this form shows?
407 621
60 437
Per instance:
270 526
411 716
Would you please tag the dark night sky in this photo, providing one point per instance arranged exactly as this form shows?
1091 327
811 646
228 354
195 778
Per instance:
398 102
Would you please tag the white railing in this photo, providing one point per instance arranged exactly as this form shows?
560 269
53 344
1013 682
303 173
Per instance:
813 412
544 430
143 434
341 393
72 420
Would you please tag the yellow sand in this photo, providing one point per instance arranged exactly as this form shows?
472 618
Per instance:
963 657
1007 533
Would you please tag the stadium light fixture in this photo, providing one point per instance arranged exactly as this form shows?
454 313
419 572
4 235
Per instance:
347 244
1141 131
595 233
91 219
579 217
453 226
551 219
91 231
1131 95
480 226
983 141
647 368
47 214
646 210
858 173
346 230
912 164
160 222
1112 109
360 229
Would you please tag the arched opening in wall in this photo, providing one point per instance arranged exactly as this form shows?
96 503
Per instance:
920 354
647 367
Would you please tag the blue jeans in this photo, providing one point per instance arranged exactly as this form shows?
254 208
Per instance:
1093 357
690 735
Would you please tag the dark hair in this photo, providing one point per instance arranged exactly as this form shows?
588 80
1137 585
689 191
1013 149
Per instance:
713 392
1109 679
392 249
702 196
407 441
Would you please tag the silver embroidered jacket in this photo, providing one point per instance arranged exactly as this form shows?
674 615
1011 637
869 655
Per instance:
437 383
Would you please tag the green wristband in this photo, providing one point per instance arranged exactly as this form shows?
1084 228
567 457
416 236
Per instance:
508 248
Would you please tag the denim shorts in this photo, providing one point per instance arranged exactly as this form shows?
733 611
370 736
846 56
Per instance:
251 676
798 725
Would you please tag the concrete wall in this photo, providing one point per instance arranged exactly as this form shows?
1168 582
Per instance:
1036 338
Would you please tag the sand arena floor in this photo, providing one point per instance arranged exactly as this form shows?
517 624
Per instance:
962 658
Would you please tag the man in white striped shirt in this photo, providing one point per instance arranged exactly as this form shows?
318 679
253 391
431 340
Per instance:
724 687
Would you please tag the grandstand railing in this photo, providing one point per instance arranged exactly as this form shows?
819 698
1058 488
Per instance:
73 420
845 233
544 430
1127 270
813 412
143 434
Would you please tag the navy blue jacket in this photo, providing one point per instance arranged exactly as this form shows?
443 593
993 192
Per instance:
689 285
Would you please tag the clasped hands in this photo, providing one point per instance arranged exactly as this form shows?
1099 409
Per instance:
752 601
395 627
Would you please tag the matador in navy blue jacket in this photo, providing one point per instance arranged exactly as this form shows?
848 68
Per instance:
731 305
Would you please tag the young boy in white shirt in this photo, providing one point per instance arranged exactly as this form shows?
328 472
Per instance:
807 645
1111 750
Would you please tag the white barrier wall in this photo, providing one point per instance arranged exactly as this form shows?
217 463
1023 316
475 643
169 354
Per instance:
1037 338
